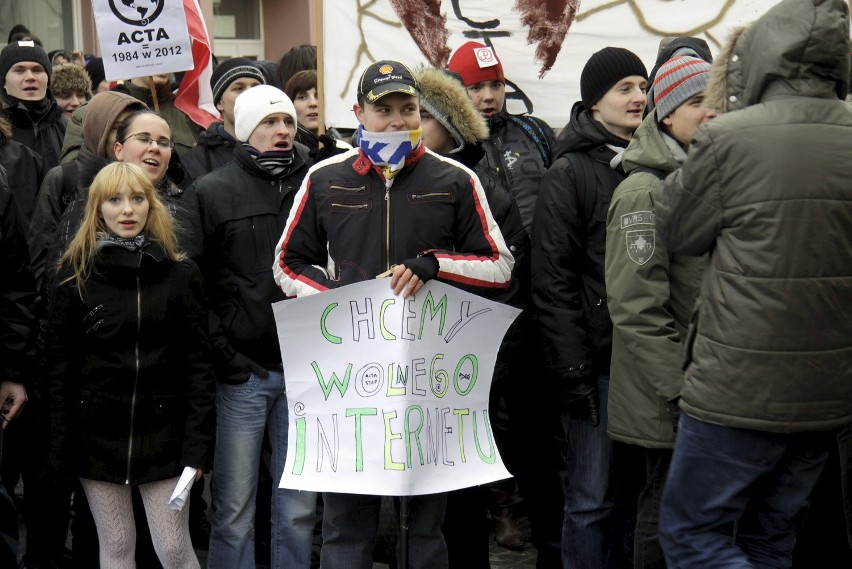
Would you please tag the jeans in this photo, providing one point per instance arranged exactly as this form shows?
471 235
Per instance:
732 495
593 528
350 523
243 411
647 553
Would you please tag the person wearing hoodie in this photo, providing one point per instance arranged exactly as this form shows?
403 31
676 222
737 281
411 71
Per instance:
569 296
29 105
215 146
764 190
184 132
520 147
453 127
651 292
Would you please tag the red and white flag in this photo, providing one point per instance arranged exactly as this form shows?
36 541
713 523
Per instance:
195 96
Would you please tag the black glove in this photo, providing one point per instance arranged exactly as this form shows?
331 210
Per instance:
425 267
328 148
243 365
583 407
673 409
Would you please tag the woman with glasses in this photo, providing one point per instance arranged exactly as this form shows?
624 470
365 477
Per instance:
130 390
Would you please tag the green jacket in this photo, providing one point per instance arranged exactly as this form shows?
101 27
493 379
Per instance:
766 189
651 294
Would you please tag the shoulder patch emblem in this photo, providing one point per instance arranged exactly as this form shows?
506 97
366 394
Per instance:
640 245
637 218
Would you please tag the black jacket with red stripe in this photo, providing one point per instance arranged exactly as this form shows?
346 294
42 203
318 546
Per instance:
346 227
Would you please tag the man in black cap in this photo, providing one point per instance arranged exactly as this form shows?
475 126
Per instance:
462 243
215 146
27 102
569 297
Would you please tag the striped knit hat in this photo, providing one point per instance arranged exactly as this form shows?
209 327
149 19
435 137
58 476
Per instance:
678 79
229 71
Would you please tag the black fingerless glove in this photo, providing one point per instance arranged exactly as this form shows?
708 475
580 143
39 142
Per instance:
425 267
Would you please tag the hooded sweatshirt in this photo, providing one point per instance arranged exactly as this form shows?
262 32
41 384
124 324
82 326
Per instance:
765 189
568 244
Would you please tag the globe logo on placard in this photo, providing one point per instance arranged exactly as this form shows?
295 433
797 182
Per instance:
136 12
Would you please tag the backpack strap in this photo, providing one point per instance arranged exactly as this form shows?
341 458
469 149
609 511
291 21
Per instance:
536 133
69 184
584 177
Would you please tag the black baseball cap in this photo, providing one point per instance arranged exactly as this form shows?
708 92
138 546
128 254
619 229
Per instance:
385 77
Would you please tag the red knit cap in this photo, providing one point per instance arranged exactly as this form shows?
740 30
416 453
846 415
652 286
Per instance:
476 63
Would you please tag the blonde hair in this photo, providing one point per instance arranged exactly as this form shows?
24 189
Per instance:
159 225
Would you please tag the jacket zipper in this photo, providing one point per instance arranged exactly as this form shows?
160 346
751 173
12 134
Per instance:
136 380
430 195
350 205
387 227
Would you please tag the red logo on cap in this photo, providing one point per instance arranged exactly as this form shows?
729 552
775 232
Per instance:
484 54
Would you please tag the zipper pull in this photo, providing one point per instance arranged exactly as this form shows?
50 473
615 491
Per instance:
387 194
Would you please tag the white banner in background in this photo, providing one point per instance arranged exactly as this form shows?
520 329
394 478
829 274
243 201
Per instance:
358 32
142 37
389 396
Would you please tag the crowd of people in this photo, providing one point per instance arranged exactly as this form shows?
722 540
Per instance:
680 251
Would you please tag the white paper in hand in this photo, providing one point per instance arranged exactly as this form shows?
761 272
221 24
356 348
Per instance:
181 493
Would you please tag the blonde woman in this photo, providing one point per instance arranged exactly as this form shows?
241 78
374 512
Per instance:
128 367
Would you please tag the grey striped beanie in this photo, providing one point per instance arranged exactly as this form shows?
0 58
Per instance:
678 79
229 71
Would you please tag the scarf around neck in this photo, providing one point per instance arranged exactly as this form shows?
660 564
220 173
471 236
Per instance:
129 243
276 162
388 150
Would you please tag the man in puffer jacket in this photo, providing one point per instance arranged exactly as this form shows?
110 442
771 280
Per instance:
765 190
651 292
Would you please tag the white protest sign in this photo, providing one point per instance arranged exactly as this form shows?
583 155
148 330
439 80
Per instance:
528 37
389 396
142 37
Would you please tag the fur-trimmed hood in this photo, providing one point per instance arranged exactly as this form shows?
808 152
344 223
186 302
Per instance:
445 98
797 48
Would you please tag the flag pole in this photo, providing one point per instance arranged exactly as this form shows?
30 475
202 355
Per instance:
321 66
153 89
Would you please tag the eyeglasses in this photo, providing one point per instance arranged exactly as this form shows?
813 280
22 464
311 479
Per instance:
146 139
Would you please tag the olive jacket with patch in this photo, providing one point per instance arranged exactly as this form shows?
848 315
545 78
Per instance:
766 189
651 294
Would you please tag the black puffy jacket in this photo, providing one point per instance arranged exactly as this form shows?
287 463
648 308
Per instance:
236 215
40 127
568 246
25 169
129 376
214 149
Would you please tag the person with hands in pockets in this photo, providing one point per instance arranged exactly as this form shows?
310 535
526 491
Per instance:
389 207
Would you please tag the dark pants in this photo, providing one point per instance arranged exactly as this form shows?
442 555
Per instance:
647 553
732 495
8 525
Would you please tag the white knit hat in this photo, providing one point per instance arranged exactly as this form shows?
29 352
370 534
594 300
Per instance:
255 104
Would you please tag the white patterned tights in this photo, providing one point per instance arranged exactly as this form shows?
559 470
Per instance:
112 509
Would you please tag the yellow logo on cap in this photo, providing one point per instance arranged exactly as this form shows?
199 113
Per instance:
385 69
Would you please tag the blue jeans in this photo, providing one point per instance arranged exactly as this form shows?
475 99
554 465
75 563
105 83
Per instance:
732 495
592 531
243 411
350 523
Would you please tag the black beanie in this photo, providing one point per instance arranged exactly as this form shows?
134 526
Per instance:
229 71
23 50
95 69
606 68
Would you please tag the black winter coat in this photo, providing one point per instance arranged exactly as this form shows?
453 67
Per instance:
42 129
25 169
214 149
567 256
236 215
129 373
